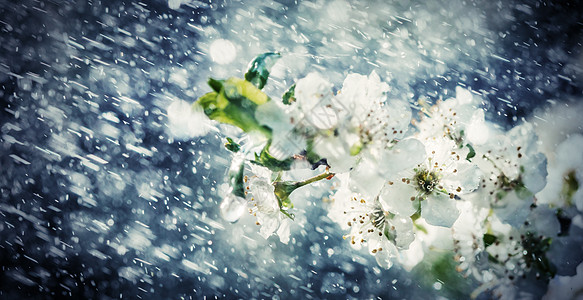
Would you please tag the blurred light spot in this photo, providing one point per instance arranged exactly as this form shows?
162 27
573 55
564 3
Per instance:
223 51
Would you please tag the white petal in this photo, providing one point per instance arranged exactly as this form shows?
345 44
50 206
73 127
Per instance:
477 132
322 117
386 256
336 153
405 234
544 220
263 195
411 257
512 209
406 154
286 144
268 224
311 91
535 173
366 178
462 95
284 230
467 177
273 116
439 210
399 115
396 198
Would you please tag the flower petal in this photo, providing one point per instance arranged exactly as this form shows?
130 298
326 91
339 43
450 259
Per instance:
405 234
439 210
396 198
406 154
284 230
366 178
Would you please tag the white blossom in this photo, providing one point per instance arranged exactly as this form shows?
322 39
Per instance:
313 95
565 174
432 186
367 121
383 233
454 118
468 233
514 170
264 205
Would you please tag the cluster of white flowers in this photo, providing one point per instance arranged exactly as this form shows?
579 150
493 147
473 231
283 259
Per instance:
401 186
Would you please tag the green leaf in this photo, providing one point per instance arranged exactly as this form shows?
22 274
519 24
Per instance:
265 159
472 152
311 156
216 85
235 104
235 88
570 187
207 102
241 118
489 239
258 70
237 182
232 145
282 190
289 96
536 248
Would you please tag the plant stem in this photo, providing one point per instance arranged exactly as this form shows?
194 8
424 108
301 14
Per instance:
313 179
284 188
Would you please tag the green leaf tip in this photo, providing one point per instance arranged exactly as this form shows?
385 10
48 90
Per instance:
232 145
267 160
289 95
489 239
258 70
472 152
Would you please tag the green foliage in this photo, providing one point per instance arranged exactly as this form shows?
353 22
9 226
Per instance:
489 239
570 186
216 85
356 148
536 248
311 156
472 152
237 89
289 96
267 160
258 70
282 191
237 182
232 145
234 102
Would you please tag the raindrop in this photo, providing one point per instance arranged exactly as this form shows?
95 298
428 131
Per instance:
232 208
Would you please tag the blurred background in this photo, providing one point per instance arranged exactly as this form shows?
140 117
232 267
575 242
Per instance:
98 200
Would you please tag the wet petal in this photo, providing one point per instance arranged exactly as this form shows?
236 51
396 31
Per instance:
396 198
439 210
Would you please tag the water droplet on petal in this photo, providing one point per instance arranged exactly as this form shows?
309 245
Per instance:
232 208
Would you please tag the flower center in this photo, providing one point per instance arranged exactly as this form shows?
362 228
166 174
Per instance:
377 218
426 180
